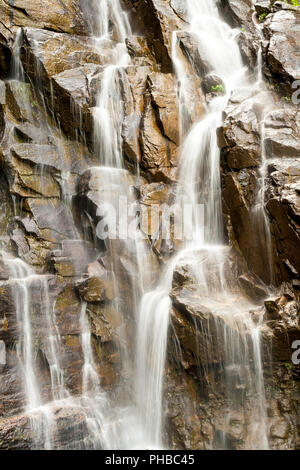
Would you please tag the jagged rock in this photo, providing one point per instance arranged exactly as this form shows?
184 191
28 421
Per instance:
281 29
240 194
239 136
134 86
139 52
6 207
282 133
164 99
283 204
252 287
262 6
5 58
156 197
8 323
69 80
238 12
280 429
150 128
70 430
63 156
283 318
20 101
57 52
64 16
157 20
73 258
211 81
95 289
159 154
46 210
197 323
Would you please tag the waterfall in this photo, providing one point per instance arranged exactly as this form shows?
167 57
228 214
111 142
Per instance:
137 420
114 426
36 327
199 183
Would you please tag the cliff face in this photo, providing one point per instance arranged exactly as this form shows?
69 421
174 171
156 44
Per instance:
50 72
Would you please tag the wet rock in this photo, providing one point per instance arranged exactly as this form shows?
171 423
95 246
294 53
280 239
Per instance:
262 6
156 197
191 322
4 272
73 258
150 128
239 135
282 133
283 319
53 219
63 156
283 204
157 20
69 80
95 289
139 52
8 323
57 52
53 15
159 154
20 100
189 46
238 12
240 192
280 429
70 430
252 287
282 53
212 82
188 425
164 99
6 207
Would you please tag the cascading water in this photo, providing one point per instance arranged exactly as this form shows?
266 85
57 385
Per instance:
26 284
199 183
139 421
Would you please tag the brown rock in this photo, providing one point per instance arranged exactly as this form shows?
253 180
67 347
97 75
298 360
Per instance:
281 29
95 289
48 14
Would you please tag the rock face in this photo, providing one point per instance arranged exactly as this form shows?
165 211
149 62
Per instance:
61 16
51 186
283 51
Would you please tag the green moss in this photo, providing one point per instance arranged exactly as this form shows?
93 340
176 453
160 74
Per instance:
217 88
262 17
